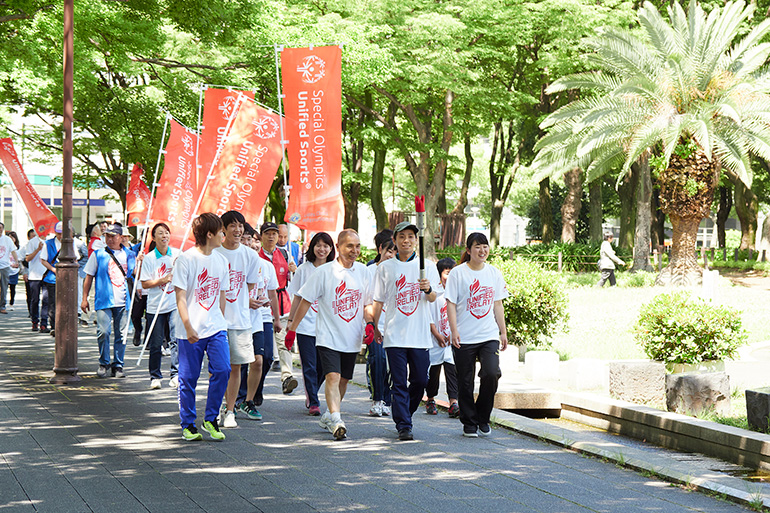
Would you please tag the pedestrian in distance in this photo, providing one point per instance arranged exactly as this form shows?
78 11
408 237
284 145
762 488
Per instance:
607 261
15 269
38 297
474 294
320 252
111 270
441 352
200 281
341 288
7 250
407 296
49 256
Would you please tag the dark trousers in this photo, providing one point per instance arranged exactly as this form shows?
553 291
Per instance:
450 375
29 297
37 291
50 292
473 413
267 361
155 343
137 313
607 274
409 372
377 373
309 359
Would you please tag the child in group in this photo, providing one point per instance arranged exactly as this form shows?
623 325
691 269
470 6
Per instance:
200 280
441 352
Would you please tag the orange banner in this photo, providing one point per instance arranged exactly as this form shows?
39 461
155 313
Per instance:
218 109
312 88
41 215
177 192
243 174
137 197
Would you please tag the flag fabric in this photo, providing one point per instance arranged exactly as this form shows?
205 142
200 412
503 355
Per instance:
137 197
218 109
243 175
312 88
177 192
42 217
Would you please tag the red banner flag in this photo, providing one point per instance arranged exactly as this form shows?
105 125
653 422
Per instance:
137 197
41 215
312 88
242 177
218 109
177 192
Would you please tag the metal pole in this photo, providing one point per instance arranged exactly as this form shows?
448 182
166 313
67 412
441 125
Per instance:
66 332
286 188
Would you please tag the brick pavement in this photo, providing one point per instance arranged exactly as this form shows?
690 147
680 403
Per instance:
114 445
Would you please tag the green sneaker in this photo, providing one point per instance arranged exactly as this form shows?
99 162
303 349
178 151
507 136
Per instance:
212 427
190 433
250 410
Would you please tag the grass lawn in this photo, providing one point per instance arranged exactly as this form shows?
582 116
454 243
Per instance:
601 320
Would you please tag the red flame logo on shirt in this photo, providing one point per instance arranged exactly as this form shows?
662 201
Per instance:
163 270
207 291
480 300
474 287
341 289
202 277
401 282
408 296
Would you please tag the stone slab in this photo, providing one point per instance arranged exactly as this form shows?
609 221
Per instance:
694 393
639 381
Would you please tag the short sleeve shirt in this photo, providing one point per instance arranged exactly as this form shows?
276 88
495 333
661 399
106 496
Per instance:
303 274
271 283
36 268
6 247
154 267
342 294
408 317
243 268
474 293
202 277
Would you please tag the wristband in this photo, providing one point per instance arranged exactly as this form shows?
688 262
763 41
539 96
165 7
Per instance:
430 289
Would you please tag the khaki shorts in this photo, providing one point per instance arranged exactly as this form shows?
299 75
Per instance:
241 347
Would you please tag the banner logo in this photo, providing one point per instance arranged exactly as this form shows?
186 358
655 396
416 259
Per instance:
265 127
187 143
227 107
312 69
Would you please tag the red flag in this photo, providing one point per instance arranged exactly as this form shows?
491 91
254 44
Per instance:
177 191
242 177
218 109
41 215
137 198
312 87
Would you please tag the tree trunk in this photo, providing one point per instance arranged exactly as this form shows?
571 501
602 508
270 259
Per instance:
643 216
747 207
351 205
683 269
627 195
378 177
595 215
725 205
570 209
546 215
658 220
462 201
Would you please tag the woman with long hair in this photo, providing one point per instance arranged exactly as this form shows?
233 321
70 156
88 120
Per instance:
319 252
474 294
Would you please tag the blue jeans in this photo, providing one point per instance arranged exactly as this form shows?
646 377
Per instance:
190 361
409 371
307 355
377 373
37 291
107 320
155 343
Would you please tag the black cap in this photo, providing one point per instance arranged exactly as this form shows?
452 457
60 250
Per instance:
114 229
268 226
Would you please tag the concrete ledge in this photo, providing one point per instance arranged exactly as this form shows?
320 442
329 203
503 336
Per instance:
521 396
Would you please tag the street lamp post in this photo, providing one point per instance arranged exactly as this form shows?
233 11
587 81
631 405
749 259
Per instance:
66 357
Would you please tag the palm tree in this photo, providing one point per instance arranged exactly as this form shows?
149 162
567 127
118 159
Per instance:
686 92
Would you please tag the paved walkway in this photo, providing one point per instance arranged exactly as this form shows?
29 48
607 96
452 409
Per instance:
114 445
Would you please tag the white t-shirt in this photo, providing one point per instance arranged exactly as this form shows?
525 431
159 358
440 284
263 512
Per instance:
154 268
242 264
372 273
474 293
301 276
6 247
259 292
407 320
439 318
342 294
36 268
117 278
203 277
271 283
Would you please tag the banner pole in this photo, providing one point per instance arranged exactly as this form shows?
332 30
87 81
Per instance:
286 188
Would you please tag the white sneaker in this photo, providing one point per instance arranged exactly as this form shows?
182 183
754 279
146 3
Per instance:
221 414
230 420
385 409
173 382
155 384
325 420
338 430
376 409
165 352
10 309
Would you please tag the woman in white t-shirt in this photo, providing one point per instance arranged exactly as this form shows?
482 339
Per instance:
474 294
319 252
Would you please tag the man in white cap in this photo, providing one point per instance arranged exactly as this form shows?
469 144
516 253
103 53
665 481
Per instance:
7 248
49 255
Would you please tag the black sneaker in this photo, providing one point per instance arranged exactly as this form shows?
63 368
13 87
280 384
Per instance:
289 384
405 434
430 408
470 432
117 372
485 430
53 333
44 329
137 339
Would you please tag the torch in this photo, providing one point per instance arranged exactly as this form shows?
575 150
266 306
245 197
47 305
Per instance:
419 207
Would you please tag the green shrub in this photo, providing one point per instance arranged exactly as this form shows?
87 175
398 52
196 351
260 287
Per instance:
677 327
637 279
575 256
625 280
536 307
366 255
